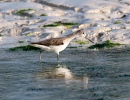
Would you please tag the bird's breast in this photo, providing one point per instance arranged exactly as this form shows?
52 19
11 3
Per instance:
58 48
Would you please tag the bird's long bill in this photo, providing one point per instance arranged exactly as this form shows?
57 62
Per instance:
89 40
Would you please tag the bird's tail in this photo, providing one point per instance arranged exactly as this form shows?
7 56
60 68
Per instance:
32 42
36 44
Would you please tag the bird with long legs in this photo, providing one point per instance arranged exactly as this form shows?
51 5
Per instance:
57 45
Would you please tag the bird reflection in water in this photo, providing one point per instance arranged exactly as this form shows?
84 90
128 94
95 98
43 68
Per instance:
61 73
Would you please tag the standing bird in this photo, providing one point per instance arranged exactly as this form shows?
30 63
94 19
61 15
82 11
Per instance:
57 44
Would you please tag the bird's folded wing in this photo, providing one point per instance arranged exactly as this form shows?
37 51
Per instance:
50 42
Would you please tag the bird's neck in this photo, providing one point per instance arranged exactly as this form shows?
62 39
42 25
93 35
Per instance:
72 36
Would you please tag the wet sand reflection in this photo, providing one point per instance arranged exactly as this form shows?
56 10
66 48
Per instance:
61 73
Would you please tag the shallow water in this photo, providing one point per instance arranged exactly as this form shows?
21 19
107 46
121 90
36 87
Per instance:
81 75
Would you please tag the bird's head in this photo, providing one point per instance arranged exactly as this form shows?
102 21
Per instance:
81 33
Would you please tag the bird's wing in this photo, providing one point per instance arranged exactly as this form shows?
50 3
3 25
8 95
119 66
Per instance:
50 42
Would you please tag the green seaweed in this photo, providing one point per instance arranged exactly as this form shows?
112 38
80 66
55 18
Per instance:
69 24
20 12
51 25
39 26
55 24
42 15
81 42
1 35
106 44
66 23
27 34
117 22
31 9
24 48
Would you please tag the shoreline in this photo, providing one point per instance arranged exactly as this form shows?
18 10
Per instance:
101 22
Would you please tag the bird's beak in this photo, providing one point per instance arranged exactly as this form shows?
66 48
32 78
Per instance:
89 40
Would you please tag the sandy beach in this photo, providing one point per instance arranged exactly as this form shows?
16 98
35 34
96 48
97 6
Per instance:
83 74
102 20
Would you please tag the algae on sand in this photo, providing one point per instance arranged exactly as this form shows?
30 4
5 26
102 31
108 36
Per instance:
59 23
106 44
81 42
24 48
42 15
51 25
24 12
1 35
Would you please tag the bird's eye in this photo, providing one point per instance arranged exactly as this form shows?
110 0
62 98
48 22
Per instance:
83 32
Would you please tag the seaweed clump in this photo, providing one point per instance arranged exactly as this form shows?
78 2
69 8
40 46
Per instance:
51 25
42 15
81 42
25 12
59 23
107 44
24 48
1 35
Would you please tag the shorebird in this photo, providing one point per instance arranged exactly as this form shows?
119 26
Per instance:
57 45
